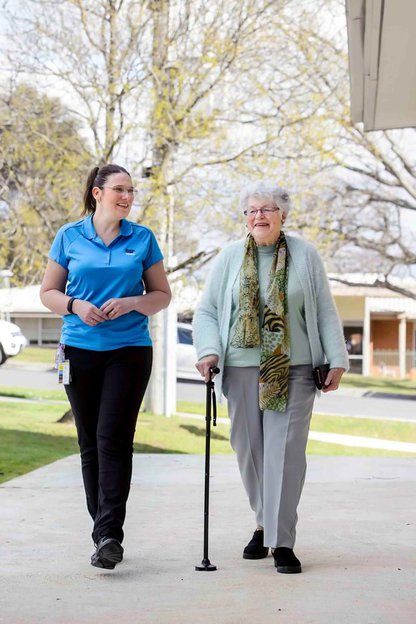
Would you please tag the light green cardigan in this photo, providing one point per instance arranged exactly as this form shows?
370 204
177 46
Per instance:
211 324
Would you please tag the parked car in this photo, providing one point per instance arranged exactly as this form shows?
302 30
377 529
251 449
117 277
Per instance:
186 354
12 341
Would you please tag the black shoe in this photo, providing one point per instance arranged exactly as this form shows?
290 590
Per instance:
285 561
107 554
255 548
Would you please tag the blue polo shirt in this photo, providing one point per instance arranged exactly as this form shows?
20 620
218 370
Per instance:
97 273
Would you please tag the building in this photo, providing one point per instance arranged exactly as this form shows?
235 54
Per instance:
381 42
380 329
24 307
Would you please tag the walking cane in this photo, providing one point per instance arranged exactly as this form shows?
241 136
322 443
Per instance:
205 563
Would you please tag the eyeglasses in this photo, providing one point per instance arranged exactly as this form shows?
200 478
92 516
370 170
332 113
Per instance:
252 212
121 190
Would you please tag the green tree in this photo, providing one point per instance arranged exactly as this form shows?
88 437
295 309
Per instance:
170 87
43 161
90 52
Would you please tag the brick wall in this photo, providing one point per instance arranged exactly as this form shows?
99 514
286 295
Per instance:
385 334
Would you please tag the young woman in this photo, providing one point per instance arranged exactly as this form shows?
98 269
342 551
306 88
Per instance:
105 276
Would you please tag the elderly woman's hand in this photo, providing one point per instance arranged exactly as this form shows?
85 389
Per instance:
204 364
332 379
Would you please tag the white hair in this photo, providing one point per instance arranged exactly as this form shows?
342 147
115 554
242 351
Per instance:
269 190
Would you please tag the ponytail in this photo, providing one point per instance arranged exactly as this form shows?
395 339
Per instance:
89 200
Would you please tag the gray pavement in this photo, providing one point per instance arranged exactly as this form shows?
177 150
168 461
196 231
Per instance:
356 540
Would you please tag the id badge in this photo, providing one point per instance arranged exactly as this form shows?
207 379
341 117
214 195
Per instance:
64 373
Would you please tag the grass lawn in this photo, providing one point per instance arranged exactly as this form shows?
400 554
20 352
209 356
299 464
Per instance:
43 355
199 408
30 438
365 427
30 435
32 393
379 384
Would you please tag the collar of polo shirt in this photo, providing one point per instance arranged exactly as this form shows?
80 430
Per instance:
126 228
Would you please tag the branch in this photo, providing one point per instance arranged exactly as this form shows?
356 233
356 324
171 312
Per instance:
205 256
377 283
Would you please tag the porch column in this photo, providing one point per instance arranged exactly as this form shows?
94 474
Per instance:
402 346
366 338
40 327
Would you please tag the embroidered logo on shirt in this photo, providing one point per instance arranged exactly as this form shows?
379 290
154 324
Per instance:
129 252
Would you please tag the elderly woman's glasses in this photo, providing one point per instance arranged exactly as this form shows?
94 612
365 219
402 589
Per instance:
121 190
253 211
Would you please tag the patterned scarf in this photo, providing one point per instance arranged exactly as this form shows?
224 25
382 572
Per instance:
274 336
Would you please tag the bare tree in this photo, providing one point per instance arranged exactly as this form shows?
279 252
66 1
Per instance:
162 74
92 53
201 97
363 196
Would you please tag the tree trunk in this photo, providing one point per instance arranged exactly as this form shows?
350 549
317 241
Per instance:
68 417
161 393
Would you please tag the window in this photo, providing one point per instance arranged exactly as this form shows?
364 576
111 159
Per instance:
354 343
354 339
184 336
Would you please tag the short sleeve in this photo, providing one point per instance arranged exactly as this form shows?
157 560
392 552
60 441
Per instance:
153 254
57 250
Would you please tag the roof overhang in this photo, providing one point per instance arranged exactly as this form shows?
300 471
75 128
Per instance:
382 49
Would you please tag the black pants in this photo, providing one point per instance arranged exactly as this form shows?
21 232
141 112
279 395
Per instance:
105 393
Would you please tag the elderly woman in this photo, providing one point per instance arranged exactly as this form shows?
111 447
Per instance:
267 318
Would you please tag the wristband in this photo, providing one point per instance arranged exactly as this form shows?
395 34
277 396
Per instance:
70 304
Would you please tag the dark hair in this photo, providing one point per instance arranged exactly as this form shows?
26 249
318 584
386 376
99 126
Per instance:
98 177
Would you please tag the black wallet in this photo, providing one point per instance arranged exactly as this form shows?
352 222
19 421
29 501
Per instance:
319 375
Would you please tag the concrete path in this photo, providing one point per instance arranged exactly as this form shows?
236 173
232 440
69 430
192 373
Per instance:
362 441
356 540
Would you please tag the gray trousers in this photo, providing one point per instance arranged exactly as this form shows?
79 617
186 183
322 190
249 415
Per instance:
270 448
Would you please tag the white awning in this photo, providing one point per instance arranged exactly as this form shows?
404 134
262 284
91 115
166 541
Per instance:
398 305
382 49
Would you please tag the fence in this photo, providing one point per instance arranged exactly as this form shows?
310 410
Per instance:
388 364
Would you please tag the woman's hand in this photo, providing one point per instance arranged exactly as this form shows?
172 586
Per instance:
332 379
210 361
113 308
88 312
